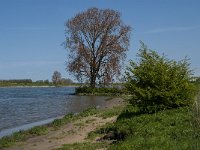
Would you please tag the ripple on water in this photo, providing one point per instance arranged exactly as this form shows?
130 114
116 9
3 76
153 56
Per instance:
21 108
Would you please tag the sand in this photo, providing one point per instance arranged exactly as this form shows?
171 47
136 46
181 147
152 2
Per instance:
73 132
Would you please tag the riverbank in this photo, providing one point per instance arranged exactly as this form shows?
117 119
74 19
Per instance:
27 106
69 130
117 125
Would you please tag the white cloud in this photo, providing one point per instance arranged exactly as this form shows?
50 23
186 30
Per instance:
173 29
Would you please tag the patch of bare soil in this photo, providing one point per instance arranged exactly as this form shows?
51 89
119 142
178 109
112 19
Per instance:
73 132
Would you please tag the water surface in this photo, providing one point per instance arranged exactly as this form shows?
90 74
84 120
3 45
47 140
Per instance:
21 108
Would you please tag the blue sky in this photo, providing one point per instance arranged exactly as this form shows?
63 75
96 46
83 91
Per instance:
32 31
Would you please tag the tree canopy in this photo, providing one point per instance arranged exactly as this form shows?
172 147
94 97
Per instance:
96 40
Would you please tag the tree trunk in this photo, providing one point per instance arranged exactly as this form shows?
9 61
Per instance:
93 81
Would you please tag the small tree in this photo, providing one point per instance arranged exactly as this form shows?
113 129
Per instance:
56 78
158 83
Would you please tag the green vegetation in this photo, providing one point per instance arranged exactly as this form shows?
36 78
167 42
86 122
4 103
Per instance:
101 132
39 130
29 82
100 91
88 112
20 82
160 114
22 136
59 122
115 111
196 115
169 129
83 146
158 83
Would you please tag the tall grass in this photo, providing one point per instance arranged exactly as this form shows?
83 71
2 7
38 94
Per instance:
196 122
196 111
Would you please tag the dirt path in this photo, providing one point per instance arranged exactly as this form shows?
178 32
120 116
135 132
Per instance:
73 132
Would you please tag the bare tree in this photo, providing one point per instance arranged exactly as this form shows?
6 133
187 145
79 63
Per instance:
96 41
56 78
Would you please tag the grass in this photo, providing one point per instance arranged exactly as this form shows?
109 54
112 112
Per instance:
39 130
100 132
196 119
115 111
169 129
59 122
83 146
22 136
88 112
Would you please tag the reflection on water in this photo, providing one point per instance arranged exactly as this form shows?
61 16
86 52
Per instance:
21 106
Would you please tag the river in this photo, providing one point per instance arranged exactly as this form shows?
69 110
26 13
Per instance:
25 107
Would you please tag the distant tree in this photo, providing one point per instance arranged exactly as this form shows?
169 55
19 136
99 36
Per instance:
97 41
66 81
46 81
56 78
39 81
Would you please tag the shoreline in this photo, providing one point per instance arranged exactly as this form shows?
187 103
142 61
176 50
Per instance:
37 86
25 127
57 125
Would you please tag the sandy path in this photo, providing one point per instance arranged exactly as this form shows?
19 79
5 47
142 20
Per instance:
73 132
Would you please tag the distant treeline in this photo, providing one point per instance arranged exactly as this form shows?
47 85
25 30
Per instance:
29 82
17 81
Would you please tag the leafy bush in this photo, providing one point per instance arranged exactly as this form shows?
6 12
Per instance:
158 83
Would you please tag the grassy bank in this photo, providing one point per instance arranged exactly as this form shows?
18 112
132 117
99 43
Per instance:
57 124
167 129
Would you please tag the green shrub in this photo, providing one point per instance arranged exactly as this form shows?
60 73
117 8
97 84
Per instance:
159 83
